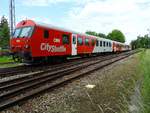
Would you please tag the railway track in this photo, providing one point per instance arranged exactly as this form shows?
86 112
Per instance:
22 69
19 89
7 63
11 69
33 68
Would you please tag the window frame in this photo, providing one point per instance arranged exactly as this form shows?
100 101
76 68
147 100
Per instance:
97 43
65 41
110 44
107 44
18 33
87 43
104 43
46 34
74 41
80 44
101 43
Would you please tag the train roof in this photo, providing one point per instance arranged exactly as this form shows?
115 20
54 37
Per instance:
35 23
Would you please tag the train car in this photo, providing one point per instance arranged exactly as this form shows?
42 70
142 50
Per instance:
33 41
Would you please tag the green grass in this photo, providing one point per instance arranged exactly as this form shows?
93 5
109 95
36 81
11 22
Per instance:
145 72
5 59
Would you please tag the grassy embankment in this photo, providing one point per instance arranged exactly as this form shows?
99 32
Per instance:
5 62
5 59
145 89
113 91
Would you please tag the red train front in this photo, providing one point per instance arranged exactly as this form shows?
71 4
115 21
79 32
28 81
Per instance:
21 40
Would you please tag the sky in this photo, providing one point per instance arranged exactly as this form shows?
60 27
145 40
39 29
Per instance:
132 17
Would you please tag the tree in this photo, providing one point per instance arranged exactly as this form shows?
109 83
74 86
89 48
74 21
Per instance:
96 34
4 33
141 42
91 33
102 35
116 35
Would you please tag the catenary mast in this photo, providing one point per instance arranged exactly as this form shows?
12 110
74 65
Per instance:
12 16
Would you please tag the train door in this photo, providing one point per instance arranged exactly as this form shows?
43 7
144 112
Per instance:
74 44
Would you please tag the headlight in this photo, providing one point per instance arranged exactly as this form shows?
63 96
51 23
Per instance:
27 46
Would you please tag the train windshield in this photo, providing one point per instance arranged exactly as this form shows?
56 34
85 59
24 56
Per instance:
23 32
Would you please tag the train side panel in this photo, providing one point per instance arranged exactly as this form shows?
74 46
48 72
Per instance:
49 42
103 45
85 44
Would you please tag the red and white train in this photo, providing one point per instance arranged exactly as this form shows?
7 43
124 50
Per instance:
33 41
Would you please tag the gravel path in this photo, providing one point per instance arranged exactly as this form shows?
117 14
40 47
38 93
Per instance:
62 100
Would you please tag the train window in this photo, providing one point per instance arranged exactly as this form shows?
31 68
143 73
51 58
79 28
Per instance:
46 34
104 43
101 43
80 41
109 44
74 39
23 32
26 31
93 42
17 33
97 43
86 41
65 39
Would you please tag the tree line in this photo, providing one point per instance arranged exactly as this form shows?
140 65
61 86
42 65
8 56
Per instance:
4 33
141 42
115 35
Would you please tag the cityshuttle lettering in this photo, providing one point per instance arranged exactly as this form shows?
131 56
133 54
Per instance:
52 48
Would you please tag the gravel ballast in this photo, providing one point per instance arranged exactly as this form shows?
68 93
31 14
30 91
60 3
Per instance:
75 97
